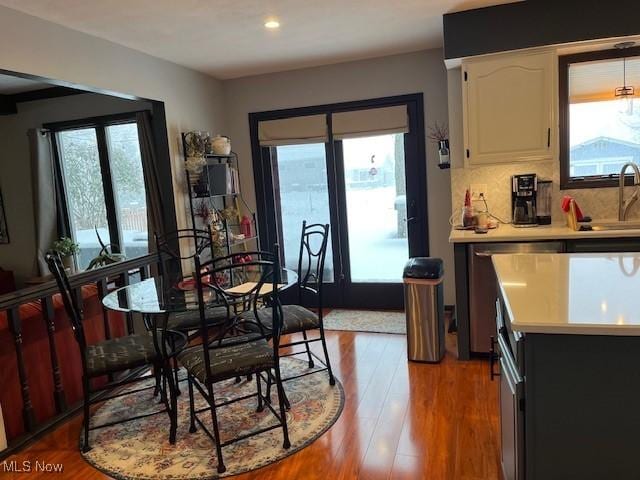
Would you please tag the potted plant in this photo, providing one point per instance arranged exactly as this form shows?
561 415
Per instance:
106 255
195 148
439 134
66 248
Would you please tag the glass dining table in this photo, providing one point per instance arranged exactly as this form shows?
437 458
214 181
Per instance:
156 295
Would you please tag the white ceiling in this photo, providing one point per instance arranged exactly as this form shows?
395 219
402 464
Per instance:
227 38
10 85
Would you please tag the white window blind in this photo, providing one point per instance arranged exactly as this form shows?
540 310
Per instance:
370 122
293 131
596 81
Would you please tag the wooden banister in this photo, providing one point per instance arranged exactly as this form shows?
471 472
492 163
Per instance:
104 279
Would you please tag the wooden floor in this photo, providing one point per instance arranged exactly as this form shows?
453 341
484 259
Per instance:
401 420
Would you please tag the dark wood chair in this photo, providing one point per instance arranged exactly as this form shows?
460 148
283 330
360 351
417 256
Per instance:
236 352
117 356
298 319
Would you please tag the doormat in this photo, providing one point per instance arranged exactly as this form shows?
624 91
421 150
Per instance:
366 321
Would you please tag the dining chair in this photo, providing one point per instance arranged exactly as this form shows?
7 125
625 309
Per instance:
226 357
298 319
119 356
175 249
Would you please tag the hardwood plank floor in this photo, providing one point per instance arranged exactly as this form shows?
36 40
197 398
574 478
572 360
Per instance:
401 420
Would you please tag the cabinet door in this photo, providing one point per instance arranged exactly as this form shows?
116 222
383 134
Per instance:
508 108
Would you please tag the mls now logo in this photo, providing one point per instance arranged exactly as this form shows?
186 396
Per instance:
27 466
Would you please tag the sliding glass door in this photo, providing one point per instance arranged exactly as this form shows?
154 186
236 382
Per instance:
357 184
301 192
374 209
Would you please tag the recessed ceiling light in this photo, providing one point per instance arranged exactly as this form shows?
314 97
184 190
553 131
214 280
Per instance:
272 24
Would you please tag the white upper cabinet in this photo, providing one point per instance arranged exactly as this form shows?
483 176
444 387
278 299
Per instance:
508 108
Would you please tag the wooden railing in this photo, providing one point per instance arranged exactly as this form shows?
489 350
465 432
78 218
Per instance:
105 279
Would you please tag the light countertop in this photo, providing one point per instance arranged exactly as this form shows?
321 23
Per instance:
584 294
560 231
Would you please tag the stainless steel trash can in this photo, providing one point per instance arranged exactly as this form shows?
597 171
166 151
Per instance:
424 307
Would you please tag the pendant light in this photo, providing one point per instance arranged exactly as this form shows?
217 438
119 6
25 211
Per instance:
625 93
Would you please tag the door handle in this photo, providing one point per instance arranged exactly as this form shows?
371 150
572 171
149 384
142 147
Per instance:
411 219
493 356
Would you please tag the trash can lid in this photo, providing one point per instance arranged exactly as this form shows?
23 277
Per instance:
424 267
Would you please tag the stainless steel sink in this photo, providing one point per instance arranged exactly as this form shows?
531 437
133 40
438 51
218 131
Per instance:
599 226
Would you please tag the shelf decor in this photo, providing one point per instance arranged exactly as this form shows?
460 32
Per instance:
215 199
439 134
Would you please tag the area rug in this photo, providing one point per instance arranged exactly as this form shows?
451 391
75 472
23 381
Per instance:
366 321
140 449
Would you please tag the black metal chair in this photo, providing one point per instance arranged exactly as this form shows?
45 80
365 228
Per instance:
173 249
119 355
231 356
298 319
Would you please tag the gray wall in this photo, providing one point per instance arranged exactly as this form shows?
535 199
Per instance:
15 168
380 77
192 100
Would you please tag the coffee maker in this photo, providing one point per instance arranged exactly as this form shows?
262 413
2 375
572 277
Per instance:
524 190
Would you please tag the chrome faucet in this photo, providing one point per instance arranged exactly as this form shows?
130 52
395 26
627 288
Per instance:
624 205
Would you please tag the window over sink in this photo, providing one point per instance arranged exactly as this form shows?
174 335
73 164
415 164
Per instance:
599 116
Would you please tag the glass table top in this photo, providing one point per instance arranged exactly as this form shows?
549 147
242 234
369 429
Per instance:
155 295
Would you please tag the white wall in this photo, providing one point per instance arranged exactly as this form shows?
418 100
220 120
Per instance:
15 167
192 100
380 77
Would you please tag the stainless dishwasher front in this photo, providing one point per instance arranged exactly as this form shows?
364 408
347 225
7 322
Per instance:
483 288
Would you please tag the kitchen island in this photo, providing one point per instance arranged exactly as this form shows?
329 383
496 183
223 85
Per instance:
475 278
568 345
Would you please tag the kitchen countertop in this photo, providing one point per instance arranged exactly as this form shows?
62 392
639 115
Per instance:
584 294
557 231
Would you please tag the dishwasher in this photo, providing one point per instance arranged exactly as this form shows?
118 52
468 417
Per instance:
483 286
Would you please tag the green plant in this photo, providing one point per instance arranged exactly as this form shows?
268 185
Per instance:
65 247
105 256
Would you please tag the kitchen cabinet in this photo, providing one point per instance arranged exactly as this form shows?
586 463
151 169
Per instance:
569 380
509 108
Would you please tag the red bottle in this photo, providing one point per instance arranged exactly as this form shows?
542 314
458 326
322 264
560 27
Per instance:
245 226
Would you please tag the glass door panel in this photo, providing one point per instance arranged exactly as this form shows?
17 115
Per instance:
128 188
80 162
301 192
376 208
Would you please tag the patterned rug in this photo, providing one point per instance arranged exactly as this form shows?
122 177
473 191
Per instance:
366 321
140 449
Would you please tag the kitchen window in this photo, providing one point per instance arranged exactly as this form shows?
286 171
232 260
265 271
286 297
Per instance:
599 116
100 172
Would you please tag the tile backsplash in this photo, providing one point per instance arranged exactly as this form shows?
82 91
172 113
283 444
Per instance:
599 203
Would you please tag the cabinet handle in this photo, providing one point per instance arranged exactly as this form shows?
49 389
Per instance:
548 137
483 254
493 356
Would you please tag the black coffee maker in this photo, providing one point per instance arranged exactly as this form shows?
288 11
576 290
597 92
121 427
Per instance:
524 190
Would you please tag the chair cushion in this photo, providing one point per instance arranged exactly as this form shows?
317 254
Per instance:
296 319
228 362
119 354
190 319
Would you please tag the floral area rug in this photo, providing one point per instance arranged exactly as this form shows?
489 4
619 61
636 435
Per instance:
140 449
366 321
